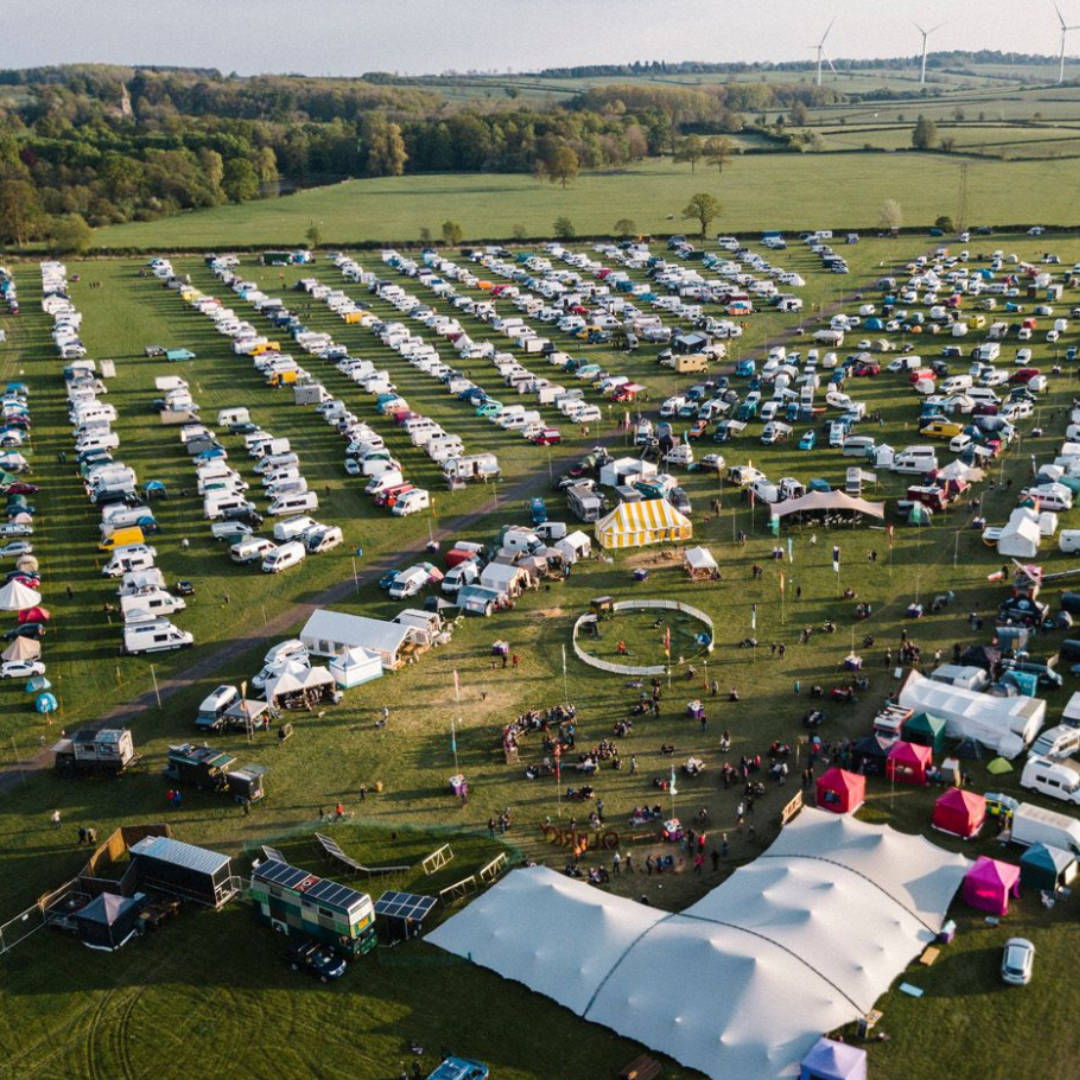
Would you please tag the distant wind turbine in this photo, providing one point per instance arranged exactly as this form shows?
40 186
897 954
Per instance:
925 35
820 47
1064 30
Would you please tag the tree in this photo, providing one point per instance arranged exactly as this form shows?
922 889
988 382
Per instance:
799 114
703 208
690 149
519 232
452 233
241 182
562 164
948 144
213 170
944 223
890 215
425 236
313 236
625 227
70 235
718 149
925 134
383 145
20 211
564 229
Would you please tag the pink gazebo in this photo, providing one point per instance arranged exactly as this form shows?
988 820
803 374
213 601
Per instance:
989 883
908 763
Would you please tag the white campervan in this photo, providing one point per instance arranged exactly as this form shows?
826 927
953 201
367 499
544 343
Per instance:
294 503
281 558
157 636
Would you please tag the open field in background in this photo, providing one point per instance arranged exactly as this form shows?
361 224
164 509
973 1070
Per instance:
77 1015
768 191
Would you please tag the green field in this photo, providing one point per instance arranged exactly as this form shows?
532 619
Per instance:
192 998
768 191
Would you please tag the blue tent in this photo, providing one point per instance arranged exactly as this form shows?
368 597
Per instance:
37 684
830 1060
46 703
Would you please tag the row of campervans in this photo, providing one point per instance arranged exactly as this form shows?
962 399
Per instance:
294 539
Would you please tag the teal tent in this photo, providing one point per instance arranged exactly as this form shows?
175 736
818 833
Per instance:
1045 868
926 730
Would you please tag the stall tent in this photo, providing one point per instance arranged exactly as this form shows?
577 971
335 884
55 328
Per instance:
699 562
507 580
109 921
871 753
355 667
840 792
742 984
1021 535
908 763
638 524
989 883
926 730
830 1060
1005 725
574 546
822 502
960 813
1046 868
331 633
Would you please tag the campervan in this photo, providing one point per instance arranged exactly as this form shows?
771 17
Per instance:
151 604
157 636
281 558
294 503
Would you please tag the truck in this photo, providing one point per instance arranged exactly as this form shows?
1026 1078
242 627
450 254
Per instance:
95 750
212 770
1033 825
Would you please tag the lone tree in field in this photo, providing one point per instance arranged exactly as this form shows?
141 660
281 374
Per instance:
425 236
925 134
241 181
718 149
702 208
945 224
519 232
564 229
625 227
313 236
452 233
890 215
562 165
690 149
70 235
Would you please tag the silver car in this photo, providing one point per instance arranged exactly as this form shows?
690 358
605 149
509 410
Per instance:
1017 961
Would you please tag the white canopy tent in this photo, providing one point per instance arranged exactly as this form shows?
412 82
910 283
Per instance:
820 502
743 983
1020 537
355 666
1005 725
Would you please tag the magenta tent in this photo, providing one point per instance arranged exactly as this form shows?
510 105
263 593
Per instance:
989 883
907 763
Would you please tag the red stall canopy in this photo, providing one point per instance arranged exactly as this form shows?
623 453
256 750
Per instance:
988 884
959 813
907 763
841 792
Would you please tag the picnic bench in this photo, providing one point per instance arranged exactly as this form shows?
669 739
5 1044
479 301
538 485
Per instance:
642 1068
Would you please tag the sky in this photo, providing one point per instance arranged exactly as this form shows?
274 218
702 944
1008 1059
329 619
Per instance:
350 37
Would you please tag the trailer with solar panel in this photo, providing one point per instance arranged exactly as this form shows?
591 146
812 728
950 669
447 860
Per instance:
403 913
294 901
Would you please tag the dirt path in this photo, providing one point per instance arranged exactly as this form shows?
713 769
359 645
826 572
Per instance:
276 628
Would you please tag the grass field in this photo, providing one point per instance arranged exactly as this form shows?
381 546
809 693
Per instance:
171 1003
768 191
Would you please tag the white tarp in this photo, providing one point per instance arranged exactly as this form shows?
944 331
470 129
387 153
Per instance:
743 983
1005 725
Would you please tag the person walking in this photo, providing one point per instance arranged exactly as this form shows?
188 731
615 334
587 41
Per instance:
56 819
616 864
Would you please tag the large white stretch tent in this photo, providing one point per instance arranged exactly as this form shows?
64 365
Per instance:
1006 725
742 984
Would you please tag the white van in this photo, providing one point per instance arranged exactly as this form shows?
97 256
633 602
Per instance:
225 417
390 478
151 604
290 649
859 446
294 503
465 573
1057 778
281 558
108 440
272 462
250 549
288 486
917 460
217 502
1069 540
319 541
293 527
411 502
137 581
158 636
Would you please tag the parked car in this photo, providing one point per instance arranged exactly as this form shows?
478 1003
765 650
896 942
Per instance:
317 959
21 669
1018 961
26 629
808 440
14 529
15 548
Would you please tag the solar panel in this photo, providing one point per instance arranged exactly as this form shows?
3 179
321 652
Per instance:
402 905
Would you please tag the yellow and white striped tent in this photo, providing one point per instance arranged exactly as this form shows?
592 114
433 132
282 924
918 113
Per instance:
637 524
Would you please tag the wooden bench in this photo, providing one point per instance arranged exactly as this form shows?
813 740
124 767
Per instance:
642 1068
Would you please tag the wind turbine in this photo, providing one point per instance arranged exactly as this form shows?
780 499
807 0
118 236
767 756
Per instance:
925 35
1064 30
820 47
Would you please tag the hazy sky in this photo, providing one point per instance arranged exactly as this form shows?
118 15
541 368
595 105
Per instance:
348 37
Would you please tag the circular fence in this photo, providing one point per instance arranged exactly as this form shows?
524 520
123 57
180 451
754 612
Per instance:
639 605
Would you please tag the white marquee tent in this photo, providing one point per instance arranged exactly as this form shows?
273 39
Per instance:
1006 725
743 983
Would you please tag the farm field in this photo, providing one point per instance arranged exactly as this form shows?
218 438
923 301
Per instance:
211 981
767 191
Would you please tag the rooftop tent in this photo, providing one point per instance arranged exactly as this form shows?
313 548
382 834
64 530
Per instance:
1045 868
1021 535
841 792
699 562
989 883
820 502
651 521
959 813
742 984
871 753
926 730
908 763
355 667
109 921
830 1060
